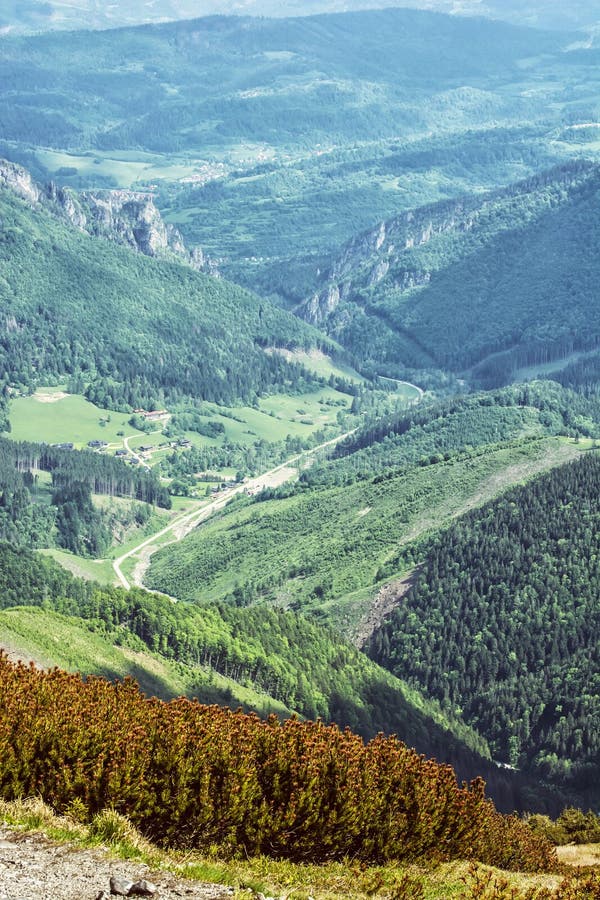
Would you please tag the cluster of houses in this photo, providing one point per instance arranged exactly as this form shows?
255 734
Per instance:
153 415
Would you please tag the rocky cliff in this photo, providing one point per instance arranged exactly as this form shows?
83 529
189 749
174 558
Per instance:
387 254
383 252
125 217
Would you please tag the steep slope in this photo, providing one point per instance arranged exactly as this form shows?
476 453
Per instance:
73 303
502 622
29 633
314 551
485 284
267 660
324 544
128 218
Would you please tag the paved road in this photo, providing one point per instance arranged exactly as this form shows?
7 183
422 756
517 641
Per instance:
184 523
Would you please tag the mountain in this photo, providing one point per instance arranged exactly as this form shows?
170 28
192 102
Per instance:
482 286
37 15
271 142
209 84
326 545
365 543
128 218
75 303
501 622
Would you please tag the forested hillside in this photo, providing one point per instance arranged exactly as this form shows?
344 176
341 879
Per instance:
337 531
272 142
485 286
61 513
81 306
435 430
332 60
287 661
36 15
502 623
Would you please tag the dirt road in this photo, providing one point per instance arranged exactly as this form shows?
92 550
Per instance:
183 524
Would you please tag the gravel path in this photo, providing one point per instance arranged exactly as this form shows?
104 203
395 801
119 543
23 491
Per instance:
34 868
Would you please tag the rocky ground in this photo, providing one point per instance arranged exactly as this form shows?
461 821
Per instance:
34 868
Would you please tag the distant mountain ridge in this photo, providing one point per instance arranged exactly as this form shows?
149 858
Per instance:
485 282
35 15
208 83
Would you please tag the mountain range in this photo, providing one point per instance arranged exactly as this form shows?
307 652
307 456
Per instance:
300 380
38 15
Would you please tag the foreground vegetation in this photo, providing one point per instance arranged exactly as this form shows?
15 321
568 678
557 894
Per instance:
335 880
272 660
195 776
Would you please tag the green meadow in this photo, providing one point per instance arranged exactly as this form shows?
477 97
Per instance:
321 364
99 570
52 416
125 169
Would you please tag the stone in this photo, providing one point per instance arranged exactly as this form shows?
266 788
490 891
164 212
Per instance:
142 888
120 886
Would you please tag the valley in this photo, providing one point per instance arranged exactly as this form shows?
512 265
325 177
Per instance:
299 433
184 524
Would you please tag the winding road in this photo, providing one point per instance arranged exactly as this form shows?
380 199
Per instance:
183 524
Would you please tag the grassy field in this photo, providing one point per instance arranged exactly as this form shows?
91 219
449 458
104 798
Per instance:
53 416
127 169
320 363
99 570
579 855
404 389
51 639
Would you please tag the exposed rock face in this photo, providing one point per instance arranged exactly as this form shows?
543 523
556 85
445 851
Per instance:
125 217
321 305
376 254
18 180
130 218
383 254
